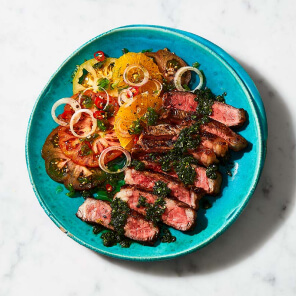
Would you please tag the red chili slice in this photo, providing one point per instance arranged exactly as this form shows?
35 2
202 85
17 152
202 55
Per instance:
99 114
100 102
99 56
134 90
136 139
109 187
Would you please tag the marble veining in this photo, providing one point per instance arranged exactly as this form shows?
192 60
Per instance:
256 256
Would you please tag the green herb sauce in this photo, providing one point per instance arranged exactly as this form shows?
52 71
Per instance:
151 116
211 171
161 189
154 211
167 237
111 238
119 215
136 127
138 165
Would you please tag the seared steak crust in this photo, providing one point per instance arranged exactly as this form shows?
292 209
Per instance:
234 140
164 135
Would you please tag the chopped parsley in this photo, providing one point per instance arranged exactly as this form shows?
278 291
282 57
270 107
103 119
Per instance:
136 127
185 170
111 238
151 116
212 171
71 192
161 189
206 99
125 50
167 237
119 215
102 125
98 228
103 83
85 150
146 50
138 165
153 211
195 64
87 102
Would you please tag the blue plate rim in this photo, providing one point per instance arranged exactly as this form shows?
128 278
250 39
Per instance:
242 77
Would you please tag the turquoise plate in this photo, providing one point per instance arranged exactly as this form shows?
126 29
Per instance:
223 73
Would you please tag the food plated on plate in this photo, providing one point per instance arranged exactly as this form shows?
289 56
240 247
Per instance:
141 139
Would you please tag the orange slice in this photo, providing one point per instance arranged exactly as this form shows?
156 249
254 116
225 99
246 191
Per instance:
132 58
127 115
153 87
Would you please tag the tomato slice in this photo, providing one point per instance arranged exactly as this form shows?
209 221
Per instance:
62 169
86 152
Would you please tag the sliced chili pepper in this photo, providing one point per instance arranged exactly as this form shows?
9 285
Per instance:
136 139
65 114
134 90
100 102
109 187
99 114
99 56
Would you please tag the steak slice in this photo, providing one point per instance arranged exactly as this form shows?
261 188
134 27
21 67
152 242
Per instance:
166 134
177 214
234 140
136 228
147 180
210 186
204 156
161 131
214 142
222 112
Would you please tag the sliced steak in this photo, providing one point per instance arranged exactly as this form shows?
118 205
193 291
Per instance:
204 156
150 143
136 228
210 186
214 142
161 131
223 113
166 134
177 214
234 140
147 180
177 117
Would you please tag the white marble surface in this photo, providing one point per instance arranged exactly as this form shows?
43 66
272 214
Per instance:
256 256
